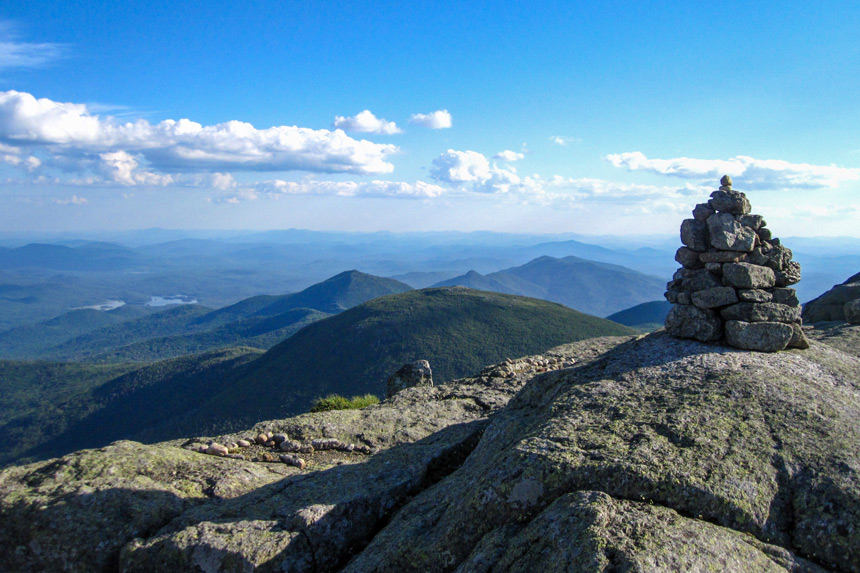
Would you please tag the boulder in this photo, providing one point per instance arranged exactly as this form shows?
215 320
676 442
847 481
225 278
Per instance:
831 305
852 311
414 374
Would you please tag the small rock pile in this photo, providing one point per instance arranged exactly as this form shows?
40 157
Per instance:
733 285
280 442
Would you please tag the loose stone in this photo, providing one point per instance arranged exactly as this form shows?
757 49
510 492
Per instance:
715 297
755 295
216 449
748 276
761 336
243 443
294 461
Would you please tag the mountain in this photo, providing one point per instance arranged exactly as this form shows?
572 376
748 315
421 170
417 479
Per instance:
89 256
588 286
644 317
640 454
454 328
124 335
351 353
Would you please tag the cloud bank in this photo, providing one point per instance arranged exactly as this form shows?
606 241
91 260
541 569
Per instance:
756 173
72 136
366 122
439 119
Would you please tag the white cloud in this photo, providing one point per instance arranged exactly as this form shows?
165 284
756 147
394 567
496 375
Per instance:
71 133
470 170
748 172
73 200
310 186
122 167
17 54
508 155
366 122
564 140
439 119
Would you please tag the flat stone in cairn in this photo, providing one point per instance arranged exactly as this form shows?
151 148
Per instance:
741 296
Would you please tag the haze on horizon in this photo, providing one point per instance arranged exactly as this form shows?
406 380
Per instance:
603 119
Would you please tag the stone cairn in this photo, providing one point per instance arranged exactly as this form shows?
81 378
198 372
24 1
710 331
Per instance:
733 285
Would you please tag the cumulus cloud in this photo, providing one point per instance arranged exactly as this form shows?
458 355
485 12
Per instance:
564 140
474 170
508 155
750 173
122 167
439 119
310 186
70 133
366 122
17 54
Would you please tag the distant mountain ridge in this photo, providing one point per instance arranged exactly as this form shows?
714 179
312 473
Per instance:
259 321
455 328
587 286
349 353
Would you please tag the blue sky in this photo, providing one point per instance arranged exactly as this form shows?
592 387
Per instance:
556 117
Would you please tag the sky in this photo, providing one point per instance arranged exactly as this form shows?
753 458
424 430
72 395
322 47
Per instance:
604 118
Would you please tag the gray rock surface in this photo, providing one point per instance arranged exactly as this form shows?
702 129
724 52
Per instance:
648 453
704 459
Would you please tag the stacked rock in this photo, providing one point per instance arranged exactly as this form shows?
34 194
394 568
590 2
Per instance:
733 285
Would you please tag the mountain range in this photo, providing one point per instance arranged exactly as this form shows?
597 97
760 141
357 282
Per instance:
350 353
588 286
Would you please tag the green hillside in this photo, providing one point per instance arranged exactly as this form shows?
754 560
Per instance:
644 317
458 330
53 408
260 332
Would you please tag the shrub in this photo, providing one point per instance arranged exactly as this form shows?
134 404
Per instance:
337 402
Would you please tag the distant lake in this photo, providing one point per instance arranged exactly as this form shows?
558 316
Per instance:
166 300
